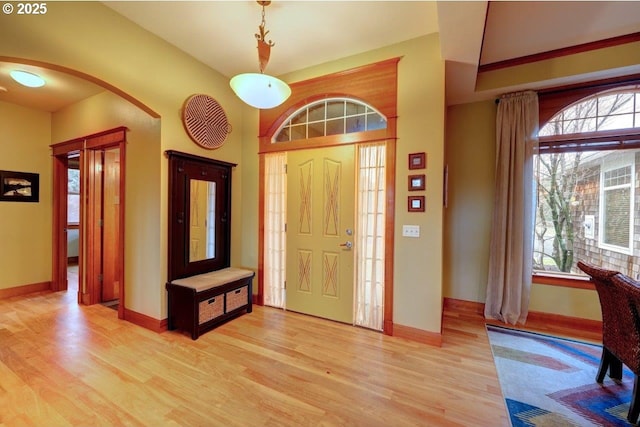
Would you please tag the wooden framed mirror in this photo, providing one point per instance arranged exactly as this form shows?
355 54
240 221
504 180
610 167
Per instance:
199 214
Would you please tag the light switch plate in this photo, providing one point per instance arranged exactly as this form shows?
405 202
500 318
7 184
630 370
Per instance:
411 230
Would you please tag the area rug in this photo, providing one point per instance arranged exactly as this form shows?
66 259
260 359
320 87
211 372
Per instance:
550 381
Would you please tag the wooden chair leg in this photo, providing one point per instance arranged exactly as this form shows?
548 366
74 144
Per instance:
615 368
605 359
609 362
634 409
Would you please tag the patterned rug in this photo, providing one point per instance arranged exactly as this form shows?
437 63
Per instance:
550 381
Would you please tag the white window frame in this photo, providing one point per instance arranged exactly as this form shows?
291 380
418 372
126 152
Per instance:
620 161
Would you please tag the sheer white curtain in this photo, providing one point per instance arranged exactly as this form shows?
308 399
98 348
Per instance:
275 218
370 236
510 263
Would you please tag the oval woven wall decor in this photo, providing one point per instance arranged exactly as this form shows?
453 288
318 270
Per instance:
205 121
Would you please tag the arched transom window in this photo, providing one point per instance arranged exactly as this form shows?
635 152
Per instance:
588 186
606 111
333 116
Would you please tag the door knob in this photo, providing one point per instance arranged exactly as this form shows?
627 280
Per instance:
347 244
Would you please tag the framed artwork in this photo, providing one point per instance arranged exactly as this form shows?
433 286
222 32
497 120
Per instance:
417 160
416 182
19 186
416 204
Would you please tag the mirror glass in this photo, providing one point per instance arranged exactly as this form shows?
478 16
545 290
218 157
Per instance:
202 211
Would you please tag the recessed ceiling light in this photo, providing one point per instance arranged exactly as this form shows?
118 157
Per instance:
27 79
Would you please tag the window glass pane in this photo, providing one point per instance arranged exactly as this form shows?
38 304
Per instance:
300 118
316 129
615 104
73 208
553 127
335 109
579 125
335 126
353 109
638 103
355 124
375 121
316 112
73 181
617 177
615 227
583 109
283 135
298 132
616 122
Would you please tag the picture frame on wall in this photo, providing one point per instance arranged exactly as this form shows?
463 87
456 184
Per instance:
19 186
416 182
417 160
415 204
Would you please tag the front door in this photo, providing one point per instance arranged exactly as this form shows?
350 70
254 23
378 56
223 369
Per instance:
320 221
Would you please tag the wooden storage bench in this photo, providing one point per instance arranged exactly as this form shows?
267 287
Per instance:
198 303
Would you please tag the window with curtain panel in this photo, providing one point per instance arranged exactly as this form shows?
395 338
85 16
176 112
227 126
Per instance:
587 185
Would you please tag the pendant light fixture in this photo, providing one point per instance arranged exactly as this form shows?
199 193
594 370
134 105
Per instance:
261 90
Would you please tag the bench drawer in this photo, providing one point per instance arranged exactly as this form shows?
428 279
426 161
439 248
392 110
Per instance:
210 309
237 298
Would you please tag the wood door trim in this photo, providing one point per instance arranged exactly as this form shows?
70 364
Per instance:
93 195
109 138
59 222
121 247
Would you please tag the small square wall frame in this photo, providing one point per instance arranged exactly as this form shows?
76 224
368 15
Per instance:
417 160
415 204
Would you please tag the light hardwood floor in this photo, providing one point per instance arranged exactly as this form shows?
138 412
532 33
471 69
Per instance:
65 364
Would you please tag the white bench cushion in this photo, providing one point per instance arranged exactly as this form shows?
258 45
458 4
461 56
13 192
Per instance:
202 282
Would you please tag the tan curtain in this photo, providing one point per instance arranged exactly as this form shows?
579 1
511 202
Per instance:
510 259
275 207
370 236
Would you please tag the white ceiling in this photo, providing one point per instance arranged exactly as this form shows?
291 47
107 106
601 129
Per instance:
515 29
306 33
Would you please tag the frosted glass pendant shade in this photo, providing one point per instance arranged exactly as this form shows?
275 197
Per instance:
27 79
260 90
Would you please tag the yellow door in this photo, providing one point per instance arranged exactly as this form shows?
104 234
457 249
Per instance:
320 206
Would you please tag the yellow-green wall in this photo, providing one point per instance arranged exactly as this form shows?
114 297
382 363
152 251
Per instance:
25 228
470 146
470 149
